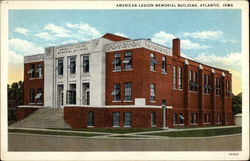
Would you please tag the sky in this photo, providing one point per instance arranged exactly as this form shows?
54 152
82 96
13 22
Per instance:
212 37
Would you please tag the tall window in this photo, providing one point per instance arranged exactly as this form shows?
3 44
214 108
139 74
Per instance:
85 64
31 72
72 65
174 76
218 118
39 96
90 118
207 87
193 118
179 77
228 88
153 62
193 81
127 121
117 62
181 118
164 65
153 119
60 66
128 92
116 119
32 95
116 92
218 86
71 94
39 70
152 92
175 120
128 61
207 118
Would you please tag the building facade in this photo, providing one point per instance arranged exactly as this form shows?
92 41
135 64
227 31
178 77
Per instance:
117 82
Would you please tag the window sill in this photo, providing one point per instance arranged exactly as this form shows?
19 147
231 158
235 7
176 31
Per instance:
32 78
90 126
193 91
117 101
125 70
128 101
31 103
127 126
39 103
117 70
152 101
152 70
180 124
153 125
39 78
87 73
116 126
180 89
165 73
194 124
207 94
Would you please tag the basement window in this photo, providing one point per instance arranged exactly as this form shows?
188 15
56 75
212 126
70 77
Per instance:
127 121
90 119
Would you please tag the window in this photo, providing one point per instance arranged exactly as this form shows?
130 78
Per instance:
72 65
175 121
181 119
116 92
117 62
218 86
228 88
207 87
218 118
194 118
90 118
32 95
174 76
71 94
152 92
87 97
153 62
128 61
193 81
164 65
179 77
116 119
153 119
60 66
85 64
31 72
39 70
39 96
128 92
127 121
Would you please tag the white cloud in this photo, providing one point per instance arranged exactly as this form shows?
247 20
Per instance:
57 30
165 39
83 31
187 44
21 30
120 34
204 35
24 47
45 36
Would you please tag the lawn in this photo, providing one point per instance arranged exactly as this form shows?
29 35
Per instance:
52 133
114 130
199 133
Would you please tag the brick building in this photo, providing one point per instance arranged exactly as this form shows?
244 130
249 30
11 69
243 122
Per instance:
117 82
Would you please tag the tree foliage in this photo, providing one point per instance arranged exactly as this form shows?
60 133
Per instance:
237 103
15 91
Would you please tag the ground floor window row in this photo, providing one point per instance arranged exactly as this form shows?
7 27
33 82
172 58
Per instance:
36 96
178 118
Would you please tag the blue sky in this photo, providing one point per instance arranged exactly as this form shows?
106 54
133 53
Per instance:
210 36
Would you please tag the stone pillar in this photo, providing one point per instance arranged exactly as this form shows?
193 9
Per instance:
187 95
200 96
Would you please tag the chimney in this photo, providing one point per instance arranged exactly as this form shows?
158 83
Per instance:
176 47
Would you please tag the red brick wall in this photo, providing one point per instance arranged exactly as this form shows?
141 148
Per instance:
22 113
32 83
76 117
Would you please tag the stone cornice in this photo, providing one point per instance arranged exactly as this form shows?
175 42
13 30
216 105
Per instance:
142 43
34 58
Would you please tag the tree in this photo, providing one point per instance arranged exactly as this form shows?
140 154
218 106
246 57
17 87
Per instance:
15 91
237 103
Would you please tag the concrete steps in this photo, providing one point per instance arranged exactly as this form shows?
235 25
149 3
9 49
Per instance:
43 118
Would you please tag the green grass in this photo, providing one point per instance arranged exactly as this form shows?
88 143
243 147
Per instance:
52 133
200 133
114 130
